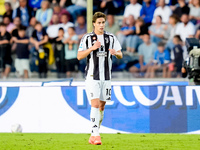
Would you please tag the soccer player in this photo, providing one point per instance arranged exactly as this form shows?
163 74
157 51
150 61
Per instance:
98 46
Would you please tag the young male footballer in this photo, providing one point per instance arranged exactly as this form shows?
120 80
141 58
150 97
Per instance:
98 46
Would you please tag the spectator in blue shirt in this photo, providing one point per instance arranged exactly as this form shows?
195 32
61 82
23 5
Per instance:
126 32
161 62
147 11
24 12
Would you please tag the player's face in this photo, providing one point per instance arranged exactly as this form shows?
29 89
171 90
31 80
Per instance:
99 26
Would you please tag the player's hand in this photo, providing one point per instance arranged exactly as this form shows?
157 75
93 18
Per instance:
96 45
112 52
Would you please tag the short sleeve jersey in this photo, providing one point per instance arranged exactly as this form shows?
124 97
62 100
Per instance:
99 62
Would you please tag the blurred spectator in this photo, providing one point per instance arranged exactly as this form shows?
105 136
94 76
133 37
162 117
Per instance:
132 9
78 8
170 29
125 34
22 60
5 51
111 26
194 14
59 11
59 53
161 62
146 54
108 7
197 35
80 28
9 25
17 23
181 8
23 12
39 38
52 29
33 53
71 47
14 3
140 30
147 12
30 29
185 29
156 30
65 24
44 14
35 4
162 10
9 11
177 54
62 3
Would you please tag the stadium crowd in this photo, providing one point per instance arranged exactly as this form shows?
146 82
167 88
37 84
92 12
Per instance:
38 34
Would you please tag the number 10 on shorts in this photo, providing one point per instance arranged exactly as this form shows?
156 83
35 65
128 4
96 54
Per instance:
108 92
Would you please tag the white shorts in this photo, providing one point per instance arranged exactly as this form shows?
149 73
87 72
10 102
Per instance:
98 89
21 65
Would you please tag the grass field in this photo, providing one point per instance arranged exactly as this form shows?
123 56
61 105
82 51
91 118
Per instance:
29 141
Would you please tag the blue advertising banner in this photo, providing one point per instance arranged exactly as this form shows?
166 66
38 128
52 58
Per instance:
144 109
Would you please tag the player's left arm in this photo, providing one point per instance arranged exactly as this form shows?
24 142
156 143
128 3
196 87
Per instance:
118 54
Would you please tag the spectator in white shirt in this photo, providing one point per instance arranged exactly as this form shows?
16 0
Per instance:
132 9
65 24
185 29
162 10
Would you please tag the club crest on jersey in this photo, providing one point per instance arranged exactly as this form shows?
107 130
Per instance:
106 39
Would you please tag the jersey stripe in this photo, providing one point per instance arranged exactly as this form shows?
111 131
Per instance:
96 66
106 63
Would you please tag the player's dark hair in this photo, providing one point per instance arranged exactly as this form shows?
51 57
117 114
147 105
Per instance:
98 15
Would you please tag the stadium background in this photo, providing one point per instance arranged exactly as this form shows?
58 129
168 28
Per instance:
45 105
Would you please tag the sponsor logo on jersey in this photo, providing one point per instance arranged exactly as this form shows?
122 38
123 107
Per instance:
101 54
106 39
8 96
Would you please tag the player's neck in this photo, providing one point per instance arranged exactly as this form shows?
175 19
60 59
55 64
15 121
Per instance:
98 33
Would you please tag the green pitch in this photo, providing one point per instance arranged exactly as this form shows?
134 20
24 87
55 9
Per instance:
29 141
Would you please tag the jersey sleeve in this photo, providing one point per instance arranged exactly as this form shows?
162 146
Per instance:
117 45
82 45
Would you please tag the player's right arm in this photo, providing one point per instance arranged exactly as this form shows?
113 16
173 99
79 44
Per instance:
84 53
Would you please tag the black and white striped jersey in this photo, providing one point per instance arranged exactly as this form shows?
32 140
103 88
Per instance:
99 62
